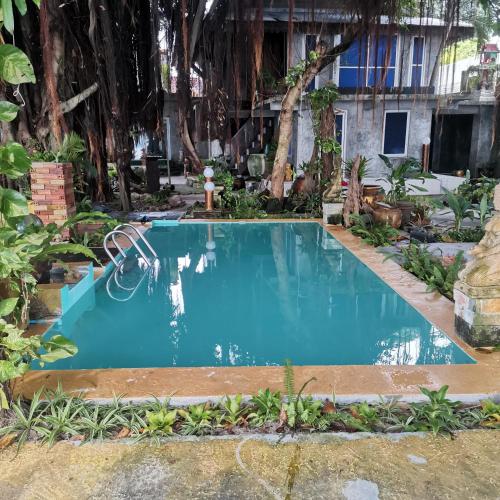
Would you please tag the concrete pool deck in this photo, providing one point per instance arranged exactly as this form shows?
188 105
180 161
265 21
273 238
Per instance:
317 466
467 382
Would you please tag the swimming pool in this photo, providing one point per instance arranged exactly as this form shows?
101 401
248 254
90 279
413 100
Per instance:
249 294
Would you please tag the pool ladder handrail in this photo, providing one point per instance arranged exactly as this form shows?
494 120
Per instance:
132 290
118 231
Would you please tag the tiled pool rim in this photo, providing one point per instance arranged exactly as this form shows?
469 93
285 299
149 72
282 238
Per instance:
468 382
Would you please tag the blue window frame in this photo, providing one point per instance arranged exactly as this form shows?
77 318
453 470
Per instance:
369 61
395 140
417 61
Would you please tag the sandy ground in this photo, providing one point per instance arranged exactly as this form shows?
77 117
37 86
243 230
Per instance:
316 466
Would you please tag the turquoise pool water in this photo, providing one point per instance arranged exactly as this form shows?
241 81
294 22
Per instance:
249 294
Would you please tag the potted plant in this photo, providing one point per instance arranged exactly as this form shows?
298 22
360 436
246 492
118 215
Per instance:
398 194
371 192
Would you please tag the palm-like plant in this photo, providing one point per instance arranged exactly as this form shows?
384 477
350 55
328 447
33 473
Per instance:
461 208
397 175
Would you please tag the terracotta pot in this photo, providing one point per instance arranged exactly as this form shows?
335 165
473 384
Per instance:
371 189
407 208
372 194
391 216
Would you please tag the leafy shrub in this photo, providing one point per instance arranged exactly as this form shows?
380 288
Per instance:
397 175
461 208
473 191
431 269
465 235
374 234
438 415
244 205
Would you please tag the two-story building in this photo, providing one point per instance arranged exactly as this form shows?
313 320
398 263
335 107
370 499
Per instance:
387 82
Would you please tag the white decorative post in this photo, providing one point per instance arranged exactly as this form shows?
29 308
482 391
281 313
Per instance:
209 187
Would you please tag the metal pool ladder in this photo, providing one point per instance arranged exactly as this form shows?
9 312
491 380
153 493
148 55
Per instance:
118 231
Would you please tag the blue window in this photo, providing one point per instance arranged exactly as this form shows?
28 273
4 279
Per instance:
395 133
339 130
382 65
369 62
353 64
417 61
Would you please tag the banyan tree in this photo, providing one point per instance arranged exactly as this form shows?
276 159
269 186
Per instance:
97 64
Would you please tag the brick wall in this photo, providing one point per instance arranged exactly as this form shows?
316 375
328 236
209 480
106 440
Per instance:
52 191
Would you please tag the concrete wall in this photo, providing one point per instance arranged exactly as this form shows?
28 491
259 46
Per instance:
364 129
364 115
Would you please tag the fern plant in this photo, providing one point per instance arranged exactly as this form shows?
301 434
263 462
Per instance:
430 269
298 409
375 234
72 149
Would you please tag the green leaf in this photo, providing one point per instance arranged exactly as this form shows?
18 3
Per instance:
8 15
58 347
15 67
21 6
4 404
8 111
14 160
37 3
12 203
72 248
10 371
7 306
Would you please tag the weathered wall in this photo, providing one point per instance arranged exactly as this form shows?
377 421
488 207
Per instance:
364 128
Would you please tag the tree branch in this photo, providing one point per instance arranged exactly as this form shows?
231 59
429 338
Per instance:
74 101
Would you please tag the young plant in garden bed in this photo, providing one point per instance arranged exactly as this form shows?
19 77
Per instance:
198 419
431 269
267 406
373 233
438 415
53 415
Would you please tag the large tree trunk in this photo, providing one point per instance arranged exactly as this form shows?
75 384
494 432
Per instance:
52 54
324 57
188 144
185 49
327 129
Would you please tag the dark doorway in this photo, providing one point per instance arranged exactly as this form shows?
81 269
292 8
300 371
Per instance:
451 143
274 60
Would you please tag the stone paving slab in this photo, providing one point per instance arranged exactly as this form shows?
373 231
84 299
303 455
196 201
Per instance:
320 466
